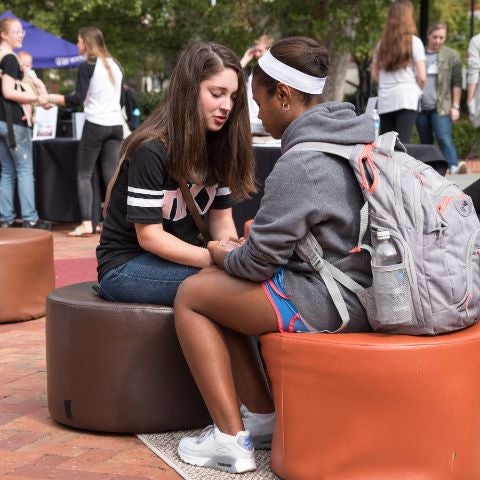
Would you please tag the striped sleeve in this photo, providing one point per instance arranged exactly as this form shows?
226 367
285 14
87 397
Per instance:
223 198
145 192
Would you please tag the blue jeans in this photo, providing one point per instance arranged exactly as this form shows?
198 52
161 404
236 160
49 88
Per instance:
430 125
145 279
17 169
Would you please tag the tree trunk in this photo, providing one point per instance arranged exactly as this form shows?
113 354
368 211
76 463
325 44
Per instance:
335 86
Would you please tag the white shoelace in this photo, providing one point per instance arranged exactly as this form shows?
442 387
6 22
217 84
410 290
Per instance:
204 433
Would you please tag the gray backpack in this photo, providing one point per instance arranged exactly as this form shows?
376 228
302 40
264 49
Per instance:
434 225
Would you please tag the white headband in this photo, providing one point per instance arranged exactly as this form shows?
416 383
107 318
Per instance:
292 77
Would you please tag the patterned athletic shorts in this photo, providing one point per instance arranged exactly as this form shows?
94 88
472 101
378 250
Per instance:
289 320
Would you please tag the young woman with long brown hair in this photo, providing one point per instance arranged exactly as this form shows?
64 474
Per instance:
399 69
99 91
199 136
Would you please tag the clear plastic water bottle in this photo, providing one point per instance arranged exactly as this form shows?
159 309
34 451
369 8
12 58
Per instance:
385 252
393 298
376 122
135 117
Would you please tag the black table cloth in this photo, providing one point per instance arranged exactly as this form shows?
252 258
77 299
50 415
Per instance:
56 197
265 159
56 185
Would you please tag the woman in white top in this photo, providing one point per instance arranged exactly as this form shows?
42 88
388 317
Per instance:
399 69
98 88
260 47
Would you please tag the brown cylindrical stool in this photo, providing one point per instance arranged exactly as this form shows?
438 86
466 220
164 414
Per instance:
117 367
375 406
27 273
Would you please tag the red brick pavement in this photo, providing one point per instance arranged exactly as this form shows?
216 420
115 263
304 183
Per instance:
32 445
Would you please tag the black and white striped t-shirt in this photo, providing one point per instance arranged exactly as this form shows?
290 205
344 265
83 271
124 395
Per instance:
145 193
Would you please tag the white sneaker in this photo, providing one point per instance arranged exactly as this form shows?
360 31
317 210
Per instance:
460 168
215 449
260 427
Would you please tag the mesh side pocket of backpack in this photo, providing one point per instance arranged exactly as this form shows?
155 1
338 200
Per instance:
370 307
393 296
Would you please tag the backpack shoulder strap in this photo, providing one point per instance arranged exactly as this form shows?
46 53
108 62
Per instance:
347 152
311 251
308 249
385 145
344 151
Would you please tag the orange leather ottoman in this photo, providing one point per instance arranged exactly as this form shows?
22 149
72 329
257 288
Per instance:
27 273
375 406
117 367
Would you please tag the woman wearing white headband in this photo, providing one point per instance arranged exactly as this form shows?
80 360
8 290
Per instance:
261 286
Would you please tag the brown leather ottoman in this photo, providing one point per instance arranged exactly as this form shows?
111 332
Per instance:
375 406
27 273
117 367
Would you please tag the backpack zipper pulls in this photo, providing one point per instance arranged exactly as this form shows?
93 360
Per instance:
465 302
420 179
366 163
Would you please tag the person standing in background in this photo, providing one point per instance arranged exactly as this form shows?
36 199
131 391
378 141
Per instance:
440 102
16 153
473 76
99 89
398 67
131 106
260 47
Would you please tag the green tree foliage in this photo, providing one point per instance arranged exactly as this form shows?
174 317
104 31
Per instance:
147 35
456 14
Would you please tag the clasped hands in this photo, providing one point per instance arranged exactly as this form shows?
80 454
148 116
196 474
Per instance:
219 248
42 101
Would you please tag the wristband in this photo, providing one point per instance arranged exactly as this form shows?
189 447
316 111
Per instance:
456 107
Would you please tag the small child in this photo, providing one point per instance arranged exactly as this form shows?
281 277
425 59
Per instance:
30 83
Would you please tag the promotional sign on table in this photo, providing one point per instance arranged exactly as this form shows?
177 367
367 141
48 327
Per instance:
45 124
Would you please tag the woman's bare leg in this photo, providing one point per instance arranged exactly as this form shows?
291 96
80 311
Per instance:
245 347
248 374
209 308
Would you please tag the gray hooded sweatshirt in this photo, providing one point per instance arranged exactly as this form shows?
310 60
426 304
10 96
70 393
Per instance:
317 192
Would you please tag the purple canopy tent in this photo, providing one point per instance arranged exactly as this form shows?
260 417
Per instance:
47 50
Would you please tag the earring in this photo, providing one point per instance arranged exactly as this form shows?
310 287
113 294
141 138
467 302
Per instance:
285 107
